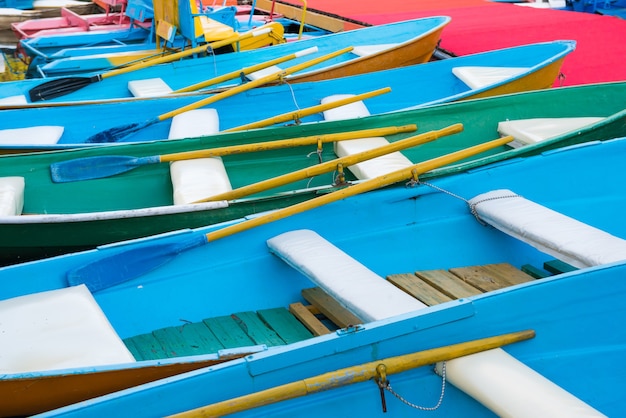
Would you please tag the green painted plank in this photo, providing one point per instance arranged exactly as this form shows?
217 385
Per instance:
535 272
148 347
558 267
256 329
130 344
228 332
285 324
188 340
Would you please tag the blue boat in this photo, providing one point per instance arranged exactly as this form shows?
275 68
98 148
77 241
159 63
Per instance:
527 244
523 68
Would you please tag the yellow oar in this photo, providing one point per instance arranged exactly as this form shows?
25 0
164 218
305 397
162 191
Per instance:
130 264
109 165
307 111
62 86
355 374
118 132
334 164
246 70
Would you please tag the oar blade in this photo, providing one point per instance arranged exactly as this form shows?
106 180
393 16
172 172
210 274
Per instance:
116 133
60 87
128 265
96 167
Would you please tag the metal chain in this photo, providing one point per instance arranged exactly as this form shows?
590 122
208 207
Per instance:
443 191
387 386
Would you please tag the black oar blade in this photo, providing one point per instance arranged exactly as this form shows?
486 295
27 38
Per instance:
114 134
96 167
60 87
128 265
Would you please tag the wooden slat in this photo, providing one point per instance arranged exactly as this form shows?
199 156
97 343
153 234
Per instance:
148 346
486 278
308 319
130 344
417 288
228 332
558 267
507 274
448 284
330 307
535 272
188 340
288 328
256 329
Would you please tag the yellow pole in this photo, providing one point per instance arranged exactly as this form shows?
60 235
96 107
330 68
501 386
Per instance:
332 165
355 374
286 143
307 111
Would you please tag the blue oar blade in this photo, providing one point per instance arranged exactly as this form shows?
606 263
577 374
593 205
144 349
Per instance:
118 133
96 167
128 265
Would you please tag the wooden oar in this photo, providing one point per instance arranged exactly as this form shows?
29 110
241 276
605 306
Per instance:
355 374
116 133
130 264
307 111
62 86
332 165
109 165
245 71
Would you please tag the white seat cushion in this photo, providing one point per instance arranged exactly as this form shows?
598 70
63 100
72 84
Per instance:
565 238
14 100
57 329
365 50
11 196
531 131
375 167
479 77
149 87
198 179
34 135
348 111
264 72
194 123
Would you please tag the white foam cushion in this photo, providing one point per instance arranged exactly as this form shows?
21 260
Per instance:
358 288
149 87
376 166
42 135
365 50
264 72
511 389
198 179
194 123
561 236
57 329
348 111
531 131
14 100
11 196
478 77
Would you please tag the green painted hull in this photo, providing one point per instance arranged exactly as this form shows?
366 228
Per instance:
31 237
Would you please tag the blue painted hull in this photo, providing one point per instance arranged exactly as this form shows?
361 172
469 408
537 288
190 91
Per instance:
396 230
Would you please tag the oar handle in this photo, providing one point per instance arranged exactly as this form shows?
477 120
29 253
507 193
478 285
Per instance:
299 114
332 165
246 71
365 186
356 374
252 84
285 143
185 53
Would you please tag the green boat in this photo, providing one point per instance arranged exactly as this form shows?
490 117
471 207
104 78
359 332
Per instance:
63 201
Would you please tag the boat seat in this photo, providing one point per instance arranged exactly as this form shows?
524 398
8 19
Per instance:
479 77
196 179
149 87
371 168
532 131
11 196
19 99
499 381
33 135
263 73
41 332
367 50
554 233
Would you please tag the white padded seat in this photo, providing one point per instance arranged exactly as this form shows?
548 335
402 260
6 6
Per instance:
263 73
561 236
20 99
11 196
194 123
371 168
499 381
479 77
534 130
57 329
34 135
149 87
366 50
